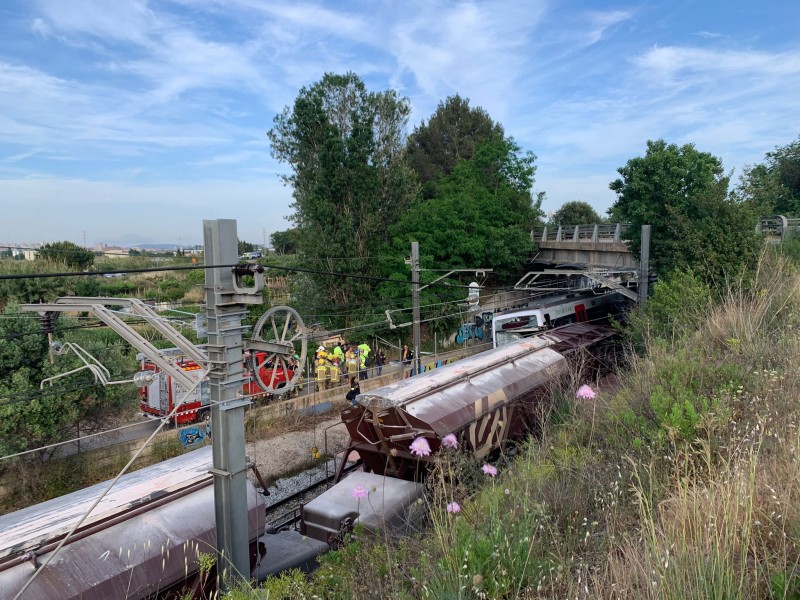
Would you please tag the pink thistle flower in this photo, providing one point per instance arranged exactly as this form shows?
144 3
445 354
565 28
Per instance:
585 393
359 492
489 470
449 441
420 447
453 507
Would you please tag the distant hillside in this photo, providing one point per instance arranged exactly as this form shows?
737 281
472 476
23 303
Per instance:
156 246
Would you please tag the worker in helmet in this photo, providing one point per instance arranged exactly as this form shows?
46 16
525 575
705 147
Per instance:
335 369
322 373
352 362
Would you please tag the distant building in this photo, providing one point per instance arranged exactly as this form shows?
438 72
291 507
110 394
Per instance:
23 251
114 251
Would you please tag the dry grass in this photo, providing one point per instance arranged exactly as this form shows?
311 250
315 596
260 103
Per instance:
258 426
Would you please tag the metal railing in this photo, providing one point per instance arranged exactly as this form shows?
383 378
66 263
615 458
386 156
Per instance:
595 233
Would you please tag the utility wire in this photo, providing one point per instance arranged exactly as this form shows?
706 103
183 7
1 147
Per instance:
77 439
198 267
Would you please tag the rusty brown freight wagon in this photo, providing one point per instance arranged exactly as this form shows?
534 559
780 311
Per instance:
484 400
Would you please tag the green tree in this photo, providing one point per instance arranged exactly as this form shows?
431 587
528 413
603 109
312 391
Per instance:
345 146
683 194
246 247
31 287
30 416
773 187
67 253
482 214
452 133
576 213
285 242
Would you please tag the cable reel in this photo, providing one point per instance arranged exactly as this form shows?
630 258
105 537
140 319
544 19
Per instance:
278 348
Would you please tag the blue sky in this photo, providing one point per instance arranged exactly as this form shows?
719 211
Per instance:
134 120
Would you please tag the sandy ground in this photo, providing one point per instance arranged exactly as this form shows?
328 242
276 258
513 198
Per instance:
287 453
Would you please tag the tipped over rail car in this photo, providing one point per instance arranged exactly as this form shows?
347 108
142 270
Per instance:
485 400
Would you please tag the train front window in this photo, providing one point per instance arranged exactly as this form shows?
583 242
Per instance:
505 337
511 329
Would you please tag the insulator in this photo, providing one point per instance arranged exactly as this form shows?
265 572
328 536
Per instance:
143 378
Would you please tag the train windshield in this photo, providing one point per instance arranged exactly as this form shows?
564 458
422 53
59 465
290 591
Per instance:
512 328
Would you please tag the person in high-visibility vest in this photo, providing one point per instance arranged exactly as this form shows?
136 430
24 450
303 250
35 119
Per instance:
322 374
339 353
352 363
334 371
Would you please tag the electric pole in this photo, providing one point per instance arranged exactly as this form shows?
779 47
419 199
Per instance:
415 302
644 265
224 313
415 290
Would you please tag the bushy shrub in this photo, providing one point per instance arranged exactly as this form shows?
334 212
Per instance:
679 305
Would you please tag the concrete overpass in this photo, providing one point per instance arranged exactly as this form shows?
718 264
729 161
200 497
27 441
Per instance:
594 245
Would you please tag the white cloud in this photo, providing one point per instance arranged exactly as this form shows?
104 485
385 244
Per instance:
129 21
184 90
601 22
666 64
234 158
476 50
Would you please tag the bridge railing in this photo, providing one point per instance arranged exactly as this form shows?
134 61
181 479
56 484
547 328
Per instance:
599 232
776 228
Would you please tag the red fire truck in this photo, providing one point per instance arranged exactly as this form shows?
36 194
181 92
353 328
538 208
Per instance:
159 396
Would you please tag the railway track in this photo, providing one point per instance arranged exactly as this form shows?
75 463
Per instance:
289 494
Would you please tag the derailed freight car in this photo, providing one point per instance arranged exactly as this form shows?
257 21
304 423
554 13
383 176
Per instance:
485 400
144 538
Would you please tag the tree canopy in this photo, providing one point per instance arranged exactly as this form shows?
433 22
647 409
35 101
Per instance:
452 133
30 416
683 195
285 242
357 193
773 187
243 246
68 253
482 214
346 148
576 213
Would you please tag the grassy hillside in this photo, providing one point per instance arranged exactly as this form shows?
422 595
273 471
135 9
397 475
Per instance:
678 480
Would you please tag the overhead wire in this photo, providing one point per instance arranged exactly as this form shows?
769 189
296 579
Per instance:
14 276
